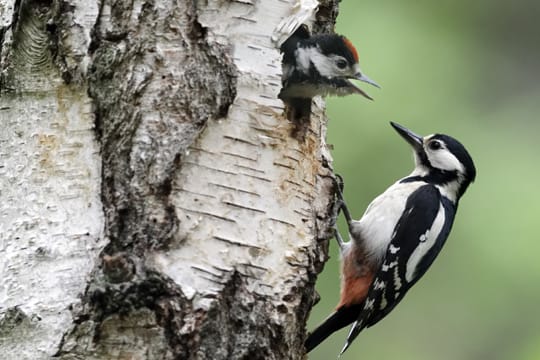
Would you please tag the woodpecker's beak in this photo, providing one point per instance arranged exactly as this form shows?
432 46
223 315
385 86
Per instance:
358 90
416 141
364 78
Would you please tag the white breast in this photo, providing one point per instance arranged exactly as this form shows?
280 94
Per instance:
374 230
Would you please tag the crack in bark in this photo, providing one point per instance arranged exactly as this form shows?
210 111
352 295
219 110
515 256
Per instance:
151 102
146 127
151 303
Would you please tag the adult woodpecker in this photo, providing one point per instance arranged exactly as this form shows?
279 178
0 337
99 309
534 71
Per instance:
320 65
399 236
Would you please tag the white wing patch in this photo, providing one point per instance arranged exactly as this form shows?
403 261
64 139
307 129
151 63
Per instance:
384 302
377 284
426 242
397 279
386 267
369 304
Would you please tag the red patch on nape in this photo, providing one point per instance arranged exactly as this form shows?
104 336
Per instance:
351 47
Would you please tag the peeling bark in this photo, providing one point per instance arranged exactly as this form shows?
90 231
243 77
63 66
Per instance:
171 215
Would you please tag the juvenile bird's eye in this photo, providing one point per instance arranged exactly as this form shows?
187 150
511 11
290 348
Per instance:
435 145
340 63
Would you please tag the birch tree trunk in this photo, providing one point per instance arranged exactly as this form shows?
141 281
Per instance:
153 203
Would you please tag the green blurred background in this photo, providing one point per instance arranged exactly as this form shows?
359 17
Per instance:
470 70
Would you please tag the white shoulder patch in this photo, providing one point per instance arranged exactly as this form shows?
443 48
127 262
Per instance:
304 57
425 243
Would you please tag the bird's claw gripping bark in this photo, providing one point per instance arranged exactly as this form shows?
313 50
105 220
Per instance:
340 202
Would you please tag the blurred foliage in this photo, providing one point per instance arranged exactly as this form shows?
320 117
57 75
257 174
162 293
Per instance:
470 70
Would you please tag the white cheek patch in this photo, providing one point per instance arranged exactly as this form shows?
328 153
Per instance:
425 243
445 160
442 158
325 65
303 57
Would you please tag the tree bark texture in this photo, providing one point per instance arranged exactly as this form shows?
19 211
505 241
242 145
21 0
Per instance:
154 203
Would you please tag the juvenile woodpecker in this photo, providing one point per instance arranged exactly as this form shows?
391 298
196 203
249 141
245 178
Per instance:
320 65
399 236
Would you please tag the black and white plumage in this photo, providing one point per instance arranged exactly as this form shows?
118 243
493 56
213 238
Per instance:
320 65
400 234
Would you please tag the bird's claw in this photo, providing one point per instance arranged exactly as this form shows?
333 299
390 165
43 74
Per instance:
339 183
338 237
336 209
340 204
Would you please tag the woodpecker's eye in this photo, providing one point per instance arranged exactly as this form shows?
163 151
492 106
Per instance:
435 145
340 63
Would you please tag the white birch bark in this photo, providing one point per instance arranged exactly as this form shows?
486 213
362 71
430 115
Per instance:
51 221
153 202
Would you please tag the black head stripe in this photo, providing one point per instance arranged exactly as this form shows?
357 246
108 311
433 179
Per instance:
435 176
459 151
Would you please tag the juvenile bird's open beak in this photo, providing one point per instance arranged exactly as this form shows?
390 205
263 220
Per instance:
416 141
364 78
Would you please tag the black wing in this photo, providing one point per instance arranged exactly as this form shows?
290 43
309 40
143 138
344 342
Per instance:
417 240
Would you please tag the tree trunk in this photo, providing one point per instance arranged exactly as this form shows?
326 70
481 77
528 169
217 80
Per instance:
154 203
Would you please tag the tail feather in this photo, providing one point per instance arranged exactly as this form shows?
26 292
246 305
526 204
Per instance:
343 316
353 333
